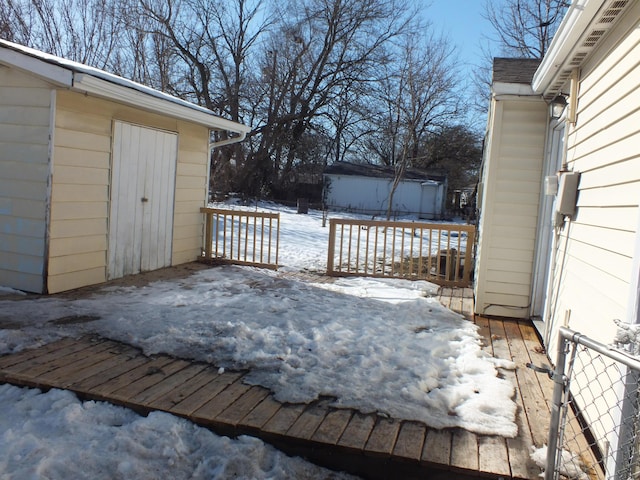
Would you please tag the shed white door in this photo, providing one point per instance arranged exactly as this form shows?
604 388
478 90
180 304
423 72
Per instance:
142 194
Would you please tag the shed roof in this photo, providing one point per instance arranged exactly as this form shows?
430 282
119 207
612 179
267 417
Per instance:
379 171
514 70
93 81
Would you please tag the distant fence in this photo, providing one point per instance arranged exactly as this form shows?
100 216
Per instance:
243 238
595 422
441 253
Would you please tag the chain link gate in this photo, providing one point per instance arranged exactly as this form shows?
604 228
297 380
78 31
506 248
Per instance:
595 415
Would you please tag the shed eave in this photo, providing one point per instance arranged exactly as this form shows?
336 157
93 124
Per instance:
57 75
179 109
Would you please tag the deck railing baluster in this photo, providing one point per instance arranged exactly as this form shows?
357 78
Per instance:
433 258
236 237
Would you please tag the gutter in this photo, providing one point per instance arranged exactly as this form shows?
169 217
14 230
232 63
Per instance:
583 27
241 136
574 23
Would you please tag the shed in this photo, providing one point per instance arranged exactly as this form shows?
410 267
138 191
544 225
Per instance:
365 189
100 177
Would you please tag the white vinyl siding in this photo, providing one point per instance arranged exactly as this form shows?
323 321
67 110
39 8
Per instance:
509 207
191 192
25 112
597 249
370 196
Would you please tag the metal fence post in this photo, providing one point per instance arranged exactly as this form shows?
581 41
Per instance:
556 407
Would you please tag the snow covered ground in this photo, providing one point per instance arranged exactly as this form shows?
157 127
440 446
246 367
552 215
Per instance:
379 346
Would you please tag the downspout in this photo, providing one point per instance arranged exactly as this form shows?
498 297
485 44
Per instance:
228 141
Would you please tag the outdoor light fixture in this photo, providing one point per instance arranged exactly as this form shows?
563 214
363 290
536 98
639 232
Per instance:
557 106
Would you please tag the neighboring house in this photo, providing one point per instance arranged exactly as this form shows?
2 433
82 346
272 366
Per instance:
572 126
366 189
100 177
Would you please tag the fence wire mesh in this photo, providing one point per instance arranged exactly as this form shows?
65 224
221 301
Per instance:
595 430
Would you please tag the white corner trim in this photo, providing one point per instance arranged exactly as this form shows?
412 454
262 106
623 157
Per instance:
167 106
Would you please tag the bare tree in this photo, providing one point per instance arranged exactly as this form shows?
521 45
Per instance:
525 28
82 30
321 50
418 95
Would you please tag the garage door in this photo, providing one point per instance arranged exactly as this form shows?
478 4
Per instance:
142 194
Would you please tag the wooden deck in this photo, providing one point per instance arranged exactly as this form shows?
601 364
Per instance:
343 439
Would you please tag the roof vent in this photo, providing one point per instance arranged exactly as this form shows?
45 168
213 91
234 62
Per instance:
577 59
593 38
612 11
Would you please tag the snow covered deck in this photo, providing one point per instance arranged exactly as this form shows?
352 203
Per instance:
369 445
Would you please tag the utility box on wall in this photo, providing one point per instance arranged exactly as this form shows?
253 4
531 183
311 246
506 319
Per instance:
567 193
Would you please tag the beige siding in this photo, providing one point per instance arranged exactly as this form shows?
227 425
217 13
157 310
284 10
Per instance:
24 171
511 193
596 251
81 180
191 192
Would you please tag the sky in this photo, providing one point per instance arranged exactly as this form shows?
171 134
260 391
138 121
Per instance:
300 340
463 22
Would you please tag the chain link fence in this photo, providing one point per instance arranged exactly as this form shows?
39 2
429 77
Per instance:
595 419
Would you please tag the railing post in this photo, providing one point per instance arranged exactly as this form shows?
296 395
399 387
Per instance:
471 239
208 233
277 238
332 246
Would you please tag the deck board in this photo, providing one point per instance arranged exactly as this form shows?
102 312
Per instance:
332 427
168 384
261 414
493 455
437 447
306 424
410 441
283 419
239 409
107 370
383 437
357 433
184 390
464 450
26 355
206 392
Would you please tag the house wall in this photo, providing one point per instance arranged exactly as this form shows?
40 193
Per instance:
511 183
593 258
25 112
594 252
80 192
370 195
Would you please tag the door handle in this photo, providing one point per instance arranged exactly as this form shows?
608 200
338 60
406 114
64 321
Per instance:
144 199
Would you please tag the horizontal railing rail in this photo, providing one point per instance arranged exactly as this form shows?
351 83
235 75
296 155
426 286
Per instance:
241 237
441 253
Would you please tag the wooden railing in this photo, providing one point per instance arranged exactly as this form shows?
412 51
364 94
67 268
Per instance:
440 253
242 238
